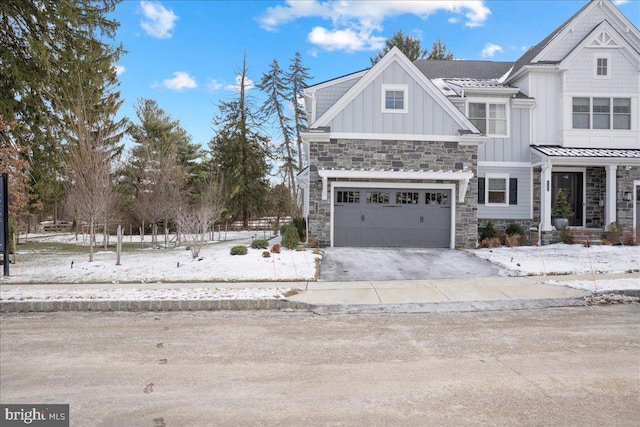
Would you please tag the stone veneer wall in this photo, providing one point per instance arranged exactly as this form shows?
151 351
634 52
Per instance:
396 155
596 179
625 178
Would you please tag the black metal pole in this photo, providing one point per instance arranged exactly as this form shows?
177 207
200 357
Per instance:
5 220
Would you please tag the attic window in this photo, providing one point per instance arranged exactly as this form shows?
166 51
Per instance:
394 98
602 67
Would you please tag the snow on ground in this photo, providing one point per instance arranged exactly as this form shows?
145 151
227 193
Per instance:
175 264
561 259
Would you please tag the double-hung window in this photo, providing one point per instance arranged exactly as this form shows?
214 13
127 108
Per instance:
601 113
489 118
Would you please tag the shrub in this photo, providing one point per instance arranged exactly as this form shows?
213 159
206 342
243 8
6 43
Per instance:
290 238
514 229
312 242
276 248
266 254
614 232
513 240
488 232
492 242
301 225
630 237
260 244
239 250
562 209
566 236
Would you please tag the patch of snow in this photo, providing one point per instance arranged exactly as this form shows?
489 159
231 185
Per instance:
561 259
600 285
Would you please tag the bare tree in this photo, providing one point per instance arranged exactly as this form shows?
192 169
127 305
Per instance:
195 221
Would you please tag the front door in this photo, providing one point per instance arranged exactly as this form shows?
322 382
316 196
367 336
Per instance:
571 184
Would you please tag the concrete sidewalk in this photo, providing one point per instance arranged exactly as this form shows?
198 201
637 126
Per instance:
434 291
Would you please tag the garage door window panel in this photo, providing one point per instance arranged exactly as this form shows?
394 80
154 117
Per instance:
378 197
407 198
436 198
348 197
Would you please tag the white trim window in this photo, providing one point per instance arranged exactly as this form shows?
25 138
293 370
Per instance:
489 118
601 113
395 98
602 66
497 190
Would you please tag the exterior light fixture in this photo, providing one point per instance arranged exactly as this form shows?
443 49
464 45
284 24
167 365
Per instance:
627 196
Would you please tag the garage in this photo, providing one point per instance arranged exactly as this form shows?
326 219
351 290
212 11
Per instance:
383 217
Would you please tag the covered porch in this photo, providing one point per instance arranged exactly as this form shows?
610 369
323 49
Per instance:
599 185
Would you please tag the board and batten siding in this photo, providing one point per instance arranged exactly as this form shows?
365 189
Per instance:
424 115
520 211
513 149
327 96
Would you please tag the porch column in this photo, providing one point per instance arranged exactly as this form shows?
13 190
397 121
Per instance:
545 197
610 197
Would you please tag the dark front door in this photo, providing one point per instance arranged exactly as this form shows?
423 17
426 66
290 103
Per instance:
571 184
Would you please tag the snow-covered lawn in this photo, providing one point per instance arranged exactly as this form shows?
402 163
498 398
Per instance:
149 265
560 259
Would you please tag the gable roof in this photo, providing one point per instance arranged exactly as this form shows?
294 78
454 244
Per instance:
535 50
396 55
456 69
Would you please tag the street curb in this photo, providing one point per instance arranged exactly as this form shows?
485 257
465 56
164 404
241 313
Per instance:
151 305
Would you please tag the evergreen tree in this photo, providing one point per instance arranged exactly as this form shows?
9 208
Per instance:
439 51
409 45
241 152
298 77
274 84
36 38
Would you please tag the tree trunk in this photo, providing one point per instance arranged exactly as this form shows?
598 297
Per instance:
91 239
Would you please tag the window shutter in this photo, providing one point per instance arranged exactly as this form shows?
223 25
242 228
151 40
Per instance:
513 191
481 191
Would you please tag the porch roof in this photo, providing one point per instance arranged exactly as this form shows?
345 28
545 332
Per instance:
586 156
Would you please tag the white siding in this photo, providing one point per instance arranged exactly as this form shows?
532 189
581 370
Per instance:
328 96
546 88
513 149
580 76
364 114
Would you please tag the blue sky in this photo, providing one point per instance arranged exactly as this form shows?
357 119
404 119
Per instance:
186 54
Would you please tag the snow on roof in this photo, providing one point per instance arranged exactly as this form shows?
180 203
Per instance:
557 151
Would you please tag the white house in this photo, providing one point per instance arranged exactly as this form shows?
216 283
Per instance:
422 154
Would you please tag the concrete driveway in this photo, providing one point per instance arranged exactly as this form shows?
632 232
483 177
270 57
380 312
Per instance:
351 264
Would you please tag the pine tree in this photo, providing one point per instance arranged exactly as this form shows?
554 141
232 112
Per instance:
36 37
439 51
240 151
298 77
274 84
409 45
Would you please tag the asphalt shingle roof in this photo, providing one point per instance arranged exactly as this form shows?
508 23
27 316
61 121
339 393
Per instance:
452 69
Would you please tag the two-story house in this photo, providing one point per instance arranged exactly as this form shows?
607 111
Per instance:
422 154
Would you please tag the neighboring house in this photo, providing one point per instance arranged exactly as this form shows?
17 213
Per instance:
422 154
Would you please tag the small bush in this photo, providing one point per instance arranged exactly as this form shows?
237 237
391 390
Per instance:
630 237
239 250
301 225
488 232
513 229
290 238
492 242
606 242
260 244
614 232
513 240
276 248
312 242
266 254
283 228
566 236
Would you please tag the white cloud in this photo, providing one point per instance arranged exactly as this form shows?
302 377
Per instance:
348 40
619 2
354 22
120 69
182 80
248 84
158 20
214 85
490 50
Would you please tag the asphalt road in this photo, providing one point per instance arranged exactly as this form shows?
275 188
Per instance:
573 366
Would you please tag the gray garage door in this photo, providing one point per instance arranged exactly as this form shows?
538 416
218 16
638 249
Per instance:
394 218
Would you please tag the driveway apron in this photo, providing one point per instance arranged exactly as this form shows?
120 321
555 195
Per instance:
351 264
